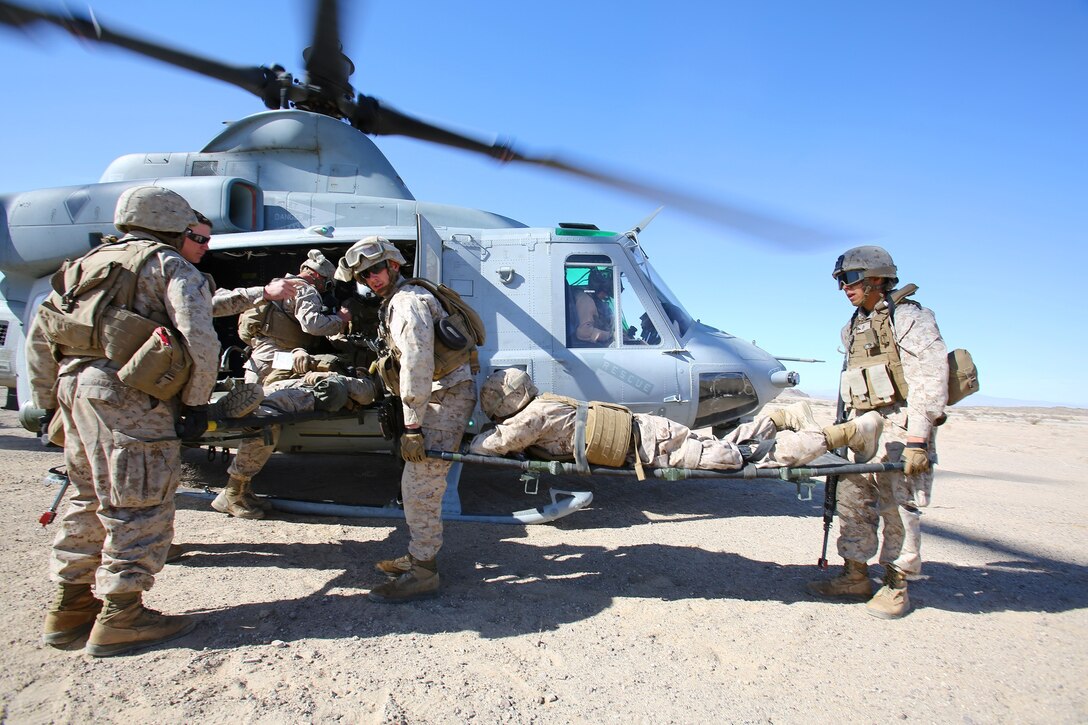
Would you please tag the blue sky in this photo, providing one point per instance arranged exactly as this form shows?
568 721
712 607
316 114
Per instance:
952 133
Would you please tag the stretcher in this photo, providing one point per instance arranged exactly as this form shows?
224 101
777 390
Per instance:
561 502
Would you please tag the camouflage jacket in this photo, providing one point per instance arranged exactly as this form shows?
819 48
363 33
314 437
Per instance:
410 317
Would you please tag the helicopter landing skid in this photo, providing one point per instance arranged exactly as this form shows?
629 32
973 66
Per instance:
563 503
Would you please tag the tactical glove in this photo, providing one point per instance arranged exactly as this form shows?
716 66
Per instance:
915 461
411 447
300 362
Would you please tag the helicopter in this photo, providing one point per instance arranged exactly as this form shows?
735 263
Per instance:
304 174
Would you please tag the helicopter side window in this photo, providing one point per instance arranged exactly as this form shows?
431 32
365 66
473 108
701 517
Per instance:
591 313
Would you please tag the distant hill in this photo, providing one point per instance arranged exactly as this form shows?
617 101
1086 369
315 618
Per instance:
975 401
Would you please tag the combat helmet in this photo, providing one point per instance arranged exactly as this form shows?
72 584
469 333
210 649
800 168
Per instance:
506 392
363 255
316 261
153 208
860 262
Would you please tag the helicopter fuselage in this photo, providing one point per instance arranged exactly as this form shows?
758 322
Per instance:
279 183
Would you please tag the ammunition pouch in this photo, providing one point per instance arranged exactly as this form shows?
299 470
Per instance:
874 386
388 369
160 367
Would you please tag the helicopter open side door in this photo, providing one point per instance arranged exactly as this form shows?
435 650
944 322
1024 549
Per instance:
428 251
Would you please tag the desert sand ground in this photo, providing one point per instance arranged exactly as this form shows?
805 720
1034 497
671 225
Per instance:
664 602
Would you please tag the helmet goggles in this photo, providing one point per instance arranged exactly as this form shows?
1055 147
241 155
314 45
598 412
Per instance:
365 255
850 277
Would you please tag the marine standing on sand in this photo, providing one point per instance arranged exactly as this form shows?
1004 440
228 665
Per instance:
436 406
896 365
121 449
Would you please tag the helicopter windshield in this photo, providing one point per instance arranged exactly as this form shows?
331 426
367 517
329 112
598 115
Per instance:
678 316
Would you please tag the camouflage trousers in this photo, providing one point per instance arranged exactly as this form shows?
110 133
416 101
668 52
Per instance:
894 498
123 459
423 484
253 453
666 443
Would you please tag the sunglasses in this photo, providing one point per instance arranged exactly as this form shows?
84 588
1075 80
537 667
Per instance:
370 271
198 238
850 278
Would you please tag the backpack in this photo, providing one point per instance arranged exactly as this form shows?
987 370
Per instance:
461 314
89 312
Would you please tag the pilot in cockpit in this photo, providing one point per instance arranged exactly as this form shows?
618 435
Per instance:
594 312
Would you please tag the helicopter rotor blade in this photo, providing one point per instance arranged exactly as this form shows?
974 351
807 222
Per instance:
260 81
326 65
370 116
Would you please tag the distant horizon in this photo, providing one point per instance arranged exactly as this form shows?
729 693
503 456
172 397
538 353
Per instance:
975 401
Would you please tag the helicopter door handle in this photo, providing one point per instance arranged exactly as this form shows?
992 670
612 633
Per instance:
673 399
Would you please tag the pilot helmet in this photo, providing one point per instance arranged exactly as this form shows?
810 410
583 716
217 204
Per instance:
316 261
600 279
861 262
506 392
153 208
363 255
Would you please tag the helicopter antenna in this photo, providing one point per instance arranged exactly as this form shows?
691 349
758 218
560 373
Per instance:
637 229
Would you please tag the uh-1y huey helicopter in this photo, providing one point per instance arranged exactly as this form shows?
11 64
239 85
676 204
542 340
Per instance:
304 175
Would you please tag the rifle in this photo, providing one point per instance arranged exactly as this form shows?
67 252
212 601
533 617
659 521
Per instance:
391 417
831 490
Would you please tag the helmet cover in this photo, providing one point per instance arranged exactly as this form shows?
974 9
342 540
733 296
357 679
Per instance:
153 208
506 392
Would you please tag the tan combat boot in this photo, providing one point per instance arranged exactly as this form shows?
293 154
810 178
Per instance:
256 501
794 417
853 583
125 624
860 435
239 402
235 500
393 568
891 600
71 615
419 582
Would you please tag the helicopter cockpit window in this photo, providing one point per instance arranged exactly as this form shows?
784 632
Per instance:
679 319
591 308
635 322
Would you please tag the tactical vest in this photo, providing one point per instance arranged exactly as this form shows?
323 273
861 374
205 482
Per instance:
270 320
456 336
874 375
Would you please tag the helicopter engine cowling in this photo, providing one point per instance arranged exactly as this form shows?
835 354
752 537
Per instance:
42 228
